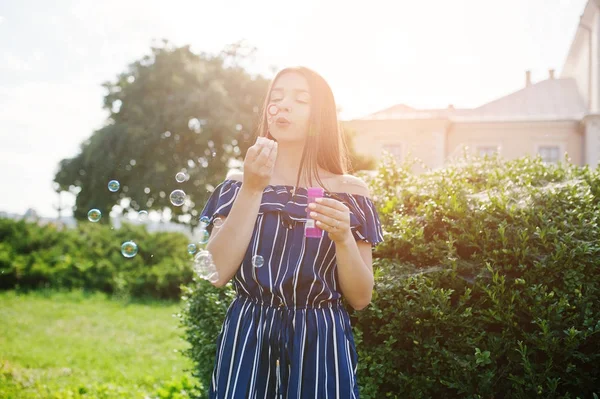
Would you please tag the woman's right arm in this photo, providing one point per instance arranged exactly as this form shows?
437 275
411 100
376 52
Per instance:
229 242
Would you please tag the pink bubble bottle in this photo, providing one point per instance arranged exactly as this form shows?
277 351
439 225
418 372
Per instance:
310 228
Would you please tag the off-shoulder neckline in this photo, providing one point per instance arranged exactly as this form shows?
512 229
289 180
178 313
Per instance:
306 189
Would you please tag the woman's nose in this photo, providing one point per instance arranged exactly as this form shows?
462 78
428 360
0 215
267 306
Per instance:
285 107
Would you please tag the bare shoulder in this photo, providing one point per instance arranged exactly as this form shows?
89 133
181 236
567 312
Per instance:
235 174
354 185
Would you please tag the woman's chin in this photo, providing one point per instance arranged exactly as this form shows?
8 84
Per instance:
287 137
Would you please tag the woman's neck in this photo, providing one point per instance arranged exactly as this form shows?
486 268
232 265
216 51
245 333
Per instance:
286 168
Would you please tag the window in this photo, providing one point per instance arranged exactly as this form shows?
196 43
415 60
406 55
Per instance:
483 150
395 149
549 153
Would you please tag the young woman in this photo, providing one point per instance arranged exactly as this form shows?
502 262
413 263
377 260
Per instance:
287 334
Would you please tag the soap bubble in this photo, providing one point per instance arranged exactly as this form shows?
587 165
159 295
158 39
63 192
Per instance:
143 215
181 177
202 259
273 109
204 236
113 186
208 272
191 248
94 215
204 221
195 125
213 277
177 197
218 222
258 261
129 249
204 266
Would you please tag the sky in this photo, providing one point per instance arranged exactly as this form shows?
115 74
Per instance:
54 56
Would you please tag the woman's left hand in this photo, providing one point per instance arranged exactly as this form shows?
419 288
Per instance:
332 216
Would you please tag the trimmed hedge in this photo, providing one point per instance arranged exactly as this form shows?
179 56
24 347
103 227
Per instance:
487 285
89 257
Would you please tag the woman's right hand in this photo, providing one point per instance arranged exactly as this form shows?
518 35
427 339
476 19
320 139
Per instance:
259 164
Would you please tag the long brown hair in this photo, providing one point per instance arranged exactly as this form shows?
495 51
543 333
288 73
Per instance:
325 145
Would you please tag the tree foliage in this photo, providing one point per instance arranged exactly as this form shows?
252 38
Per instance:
171 111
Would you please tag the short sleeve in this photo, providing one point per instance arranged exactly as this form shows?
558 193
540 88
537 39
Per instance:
366 226
221 201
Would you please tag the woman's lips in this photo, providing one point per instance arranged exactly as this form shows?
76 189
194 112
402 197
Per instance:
281 121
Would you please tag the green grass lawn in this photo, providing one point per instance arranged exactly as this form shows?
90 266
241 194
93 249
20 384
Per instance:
82 345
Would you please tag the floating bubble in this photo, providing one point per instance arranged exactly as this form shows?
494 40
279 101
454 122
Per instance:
143 215
177 197
218 222
203 264
94 215
191 248
129 249
213 277
204 221
258 261
113 186
273 109
195 125
203 258
204 236
180 177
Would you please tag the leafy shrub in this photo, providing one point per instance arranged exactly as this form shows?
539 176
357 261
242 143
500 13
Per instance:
89 257
487 284
202 317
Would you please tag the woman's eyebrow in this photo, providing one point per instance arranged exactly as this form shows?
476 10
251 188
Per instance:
296 90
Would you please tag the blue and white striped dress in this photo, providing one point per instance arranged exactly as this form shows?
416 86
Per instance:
287 334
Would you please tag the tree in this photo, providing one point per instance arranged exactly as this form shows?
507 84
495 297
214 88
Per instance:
171 111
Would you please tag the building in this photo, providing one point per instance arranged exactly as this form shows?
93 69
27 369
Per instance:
552 117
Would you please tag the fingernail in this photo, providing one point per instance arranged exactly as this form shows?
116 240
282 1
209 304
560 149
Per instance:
312 206
313 214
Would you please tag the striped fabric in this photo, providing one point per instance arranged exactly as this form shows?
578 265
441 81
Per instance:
287 334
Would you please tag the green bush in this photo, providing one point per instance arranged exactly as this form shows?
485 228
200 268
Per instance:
202 316
487 285
89 257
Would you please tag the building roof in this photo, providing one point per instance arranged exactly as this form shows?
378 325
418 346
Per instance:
550 99
402 111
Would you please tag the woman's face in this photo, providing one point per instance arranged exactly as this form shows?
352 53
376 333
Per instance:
291 96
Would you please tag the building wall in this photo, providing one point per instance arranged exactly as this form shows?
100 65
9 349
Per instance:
434 141
518 139
592 140
577 64
423 139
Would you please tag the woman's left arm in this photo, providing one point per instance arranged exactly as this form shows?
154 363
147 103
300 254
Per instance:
354 258
355 271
